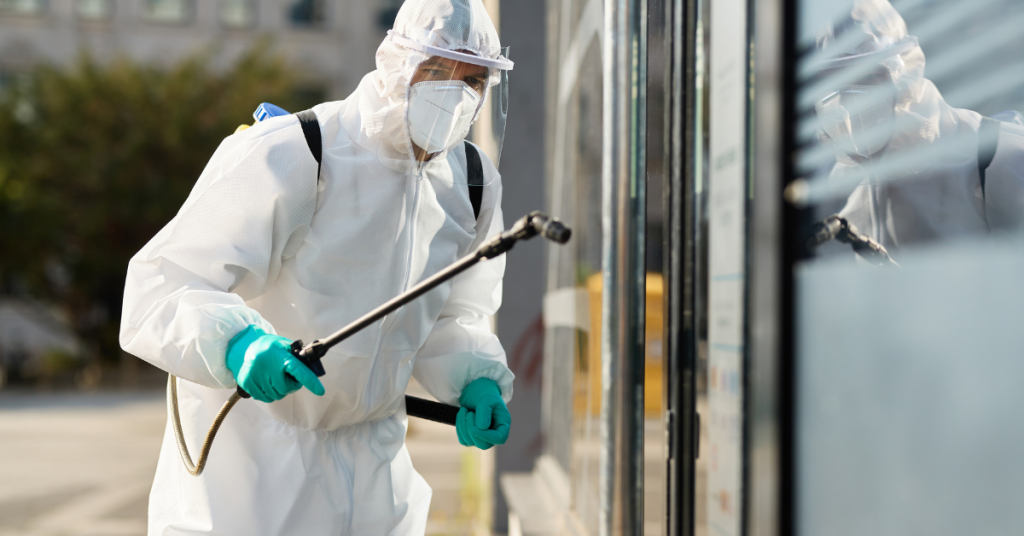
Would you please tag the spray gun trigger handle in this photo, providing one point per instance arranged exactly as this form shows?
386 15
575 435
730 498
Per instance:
314 364
309 358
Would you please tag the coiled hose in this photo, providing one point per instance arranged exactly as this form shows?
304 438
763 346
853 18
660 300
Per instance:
195 469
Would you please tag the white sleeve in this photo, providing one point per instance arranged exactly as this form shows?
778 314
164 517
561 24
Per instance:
461 346
185 292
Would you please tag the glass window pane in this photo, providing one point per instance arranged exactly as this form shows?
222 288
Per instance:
908 297
237 13
307 12
94 9
723 190
22 7
573 427
167 11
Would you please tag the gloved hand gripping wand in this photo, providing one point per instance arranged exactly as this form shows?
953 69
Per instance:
533 224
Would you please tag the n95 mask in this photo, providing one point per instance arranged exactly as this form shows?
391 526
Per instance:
440 113
859 120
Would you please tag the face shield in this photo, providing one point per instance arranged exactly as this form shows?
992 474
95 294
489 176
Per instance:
488 132
449 93
856 98
858 119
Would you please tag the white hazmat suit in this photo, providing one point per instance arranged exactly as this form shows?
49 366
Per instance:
925 184
261 241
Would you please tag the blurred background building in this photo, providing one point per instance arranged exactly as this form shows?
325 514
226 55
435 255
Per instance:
331 43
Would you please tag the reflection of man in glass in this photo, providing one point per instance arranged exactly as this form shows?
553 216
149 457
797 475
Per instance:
921 163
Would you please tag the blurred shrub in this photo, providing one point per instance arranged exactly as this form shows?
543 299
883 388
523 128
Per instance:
96 158
50 364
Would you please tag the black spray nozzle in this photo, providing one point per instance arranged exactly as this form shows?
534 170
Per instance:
838 228
550 228
529 226
826 230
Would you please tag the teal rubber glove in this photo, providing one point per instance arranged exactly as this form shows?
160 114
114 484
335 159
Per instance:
483 420
265 367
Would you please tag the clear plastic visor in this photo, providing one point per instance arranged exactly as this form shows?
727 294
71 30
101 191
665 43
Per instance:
488 132
859 119
451 101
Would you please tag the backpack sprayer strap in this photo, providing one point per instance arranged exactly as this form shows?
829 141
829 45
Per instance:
988 142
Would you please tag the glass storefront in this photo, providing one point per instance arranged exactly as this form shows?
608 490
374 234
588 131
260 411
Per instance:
907 282
719 193
836 316
573 355
572 375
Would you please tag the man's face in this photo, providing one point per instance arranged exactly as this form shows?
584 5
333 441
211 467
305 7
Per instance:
437 68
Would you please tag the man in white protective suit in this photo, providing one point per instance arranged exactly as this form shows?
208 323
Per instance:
270 248
924 171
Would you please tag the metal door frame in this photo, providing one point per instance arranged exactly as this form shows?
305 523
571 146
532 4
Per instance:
679 23
769 427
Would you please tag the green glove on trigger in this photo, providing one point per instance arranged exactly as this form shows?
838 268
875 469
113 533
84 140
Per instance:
265 367
483 419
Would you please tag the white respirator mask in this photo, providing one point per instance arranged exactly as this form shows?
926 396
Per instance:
860 120
440 113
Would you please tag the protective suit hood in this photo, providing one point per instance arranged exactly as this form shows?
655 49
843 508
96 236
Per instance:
874 34
375 115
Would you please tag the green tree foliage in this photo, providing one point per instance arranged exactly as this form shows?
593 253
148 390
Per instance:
96 158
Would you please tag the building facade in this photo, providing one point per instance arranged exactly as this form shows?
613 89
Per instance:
332 43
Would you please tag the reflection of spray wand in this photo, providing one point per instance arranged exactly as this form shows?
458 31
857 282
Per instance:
838 228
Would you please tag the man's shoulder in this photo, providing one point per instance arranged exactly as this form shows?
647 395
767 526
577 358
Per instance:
272 154
271 129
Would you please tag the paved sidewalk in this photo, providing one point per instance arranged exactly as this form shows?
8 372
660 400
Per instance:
76 464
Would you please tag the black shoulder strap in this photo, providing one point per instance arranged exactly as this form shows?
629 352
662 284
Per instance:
475 176
988 140
311 130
